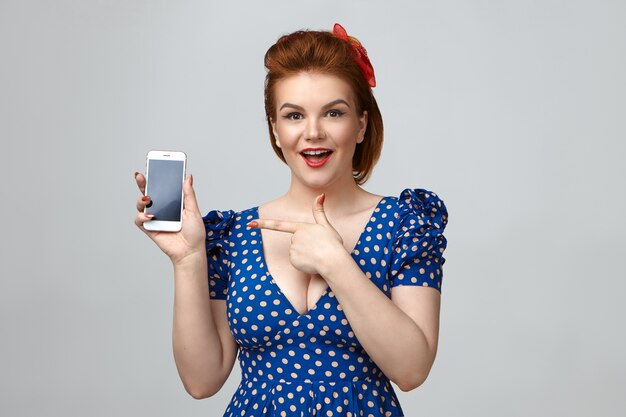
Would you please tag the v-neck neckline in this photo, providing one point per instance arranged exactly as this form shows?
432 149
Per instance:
266 269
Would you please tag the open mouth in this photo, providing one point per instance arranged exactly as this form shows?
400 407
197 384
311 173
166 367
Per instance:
316 157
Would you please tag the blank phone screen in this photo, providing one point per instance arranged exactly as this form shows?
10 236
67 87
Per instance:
165 187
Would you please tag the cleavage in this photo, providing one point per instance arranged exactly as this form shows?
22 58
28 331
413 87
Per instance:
302 290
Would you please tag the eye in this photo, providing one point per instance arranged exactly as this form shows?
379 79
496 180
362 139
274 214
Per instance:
335 113
294 115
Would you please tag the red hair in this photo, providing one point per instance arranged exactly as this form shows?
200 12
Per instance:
322 52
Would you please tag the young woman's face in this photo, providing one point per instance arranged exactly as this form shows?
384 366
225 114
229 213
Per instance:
317 127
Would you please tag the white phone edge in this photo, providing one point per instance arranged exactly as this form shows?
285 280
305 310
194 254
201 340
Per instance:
160 225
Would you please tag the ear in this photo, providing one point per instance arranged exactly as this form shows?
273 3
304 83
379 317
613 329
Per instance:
362 127
273 123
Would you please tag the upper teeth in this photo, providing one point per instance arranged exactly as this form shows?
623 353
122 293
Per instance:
315 152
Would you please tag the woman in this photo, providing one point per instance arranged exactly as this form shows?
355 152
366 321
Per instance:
328 292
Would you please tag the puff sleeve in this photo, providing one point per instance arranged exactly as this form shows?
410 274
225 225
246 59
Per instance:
217 225
419 243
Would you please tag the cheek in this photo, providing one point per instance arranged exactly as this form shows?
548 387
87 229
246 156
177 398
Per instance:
287 134
346 134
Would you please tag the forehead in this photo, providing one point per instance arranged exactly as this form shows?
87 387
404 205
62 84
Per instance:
313 89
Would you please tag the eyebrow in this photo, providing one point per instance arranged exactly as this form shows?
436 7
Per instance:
332 103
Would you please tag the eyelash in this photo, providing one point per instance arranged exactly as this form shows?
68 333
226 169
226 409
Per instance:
339 112
290 116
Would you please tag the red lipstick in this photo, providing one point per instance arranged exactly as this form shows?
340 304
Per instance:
316 157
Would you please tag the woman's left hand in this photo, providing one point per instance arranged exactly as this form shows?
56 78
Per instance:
313 245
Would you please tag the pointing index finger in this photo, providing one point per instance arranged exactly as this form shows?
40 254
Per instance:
278 225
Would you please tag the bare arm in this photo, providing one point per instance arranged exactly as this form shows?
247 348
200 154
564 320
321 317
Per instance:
204 349
399 334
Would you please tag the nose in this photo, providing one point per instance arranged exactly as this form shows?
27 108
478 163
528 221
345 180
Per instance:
314 130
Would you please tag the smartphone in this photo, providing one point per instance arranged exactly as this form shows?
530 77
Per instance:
165 174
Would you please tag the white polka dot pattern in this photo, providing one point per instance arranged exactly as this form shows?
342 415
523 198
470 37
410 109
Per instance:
312 364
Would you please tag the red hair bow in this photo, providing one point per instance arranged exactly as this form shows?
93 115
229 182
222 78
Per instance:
359 52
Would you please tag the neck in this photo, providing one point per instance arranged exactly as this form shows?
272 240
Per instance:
340 195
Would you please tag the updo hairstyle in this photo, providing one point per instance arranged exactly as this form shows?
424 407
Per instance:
322 52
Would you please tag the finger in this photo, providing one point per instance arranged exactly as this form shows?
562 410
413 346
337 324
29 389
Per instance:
318 210
142 218
141 182
189 201
278 225
143 202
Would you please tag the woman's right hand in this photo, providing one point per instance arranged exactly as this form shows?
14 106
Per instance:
190 240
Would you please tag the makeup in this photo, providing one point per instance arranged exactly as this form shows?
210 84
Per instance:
316 157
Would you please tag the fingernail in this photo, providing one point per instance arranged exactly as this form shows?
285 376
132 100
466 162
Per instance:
150 215
322 198
253 223
190 179
136 173
145 198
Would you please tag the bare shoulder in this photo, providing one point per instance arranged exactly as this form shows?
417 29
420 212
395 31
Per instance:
370 201
362 206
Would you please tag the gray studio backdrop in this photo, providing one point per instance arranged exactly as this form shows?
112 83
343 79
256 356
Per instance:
513 112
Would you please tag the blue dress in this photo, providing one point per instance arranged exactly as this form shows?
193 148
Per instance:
313 364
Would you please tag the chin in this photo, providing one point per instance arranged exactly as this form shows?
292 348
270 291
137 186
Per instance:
320 178
316 184
319 181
